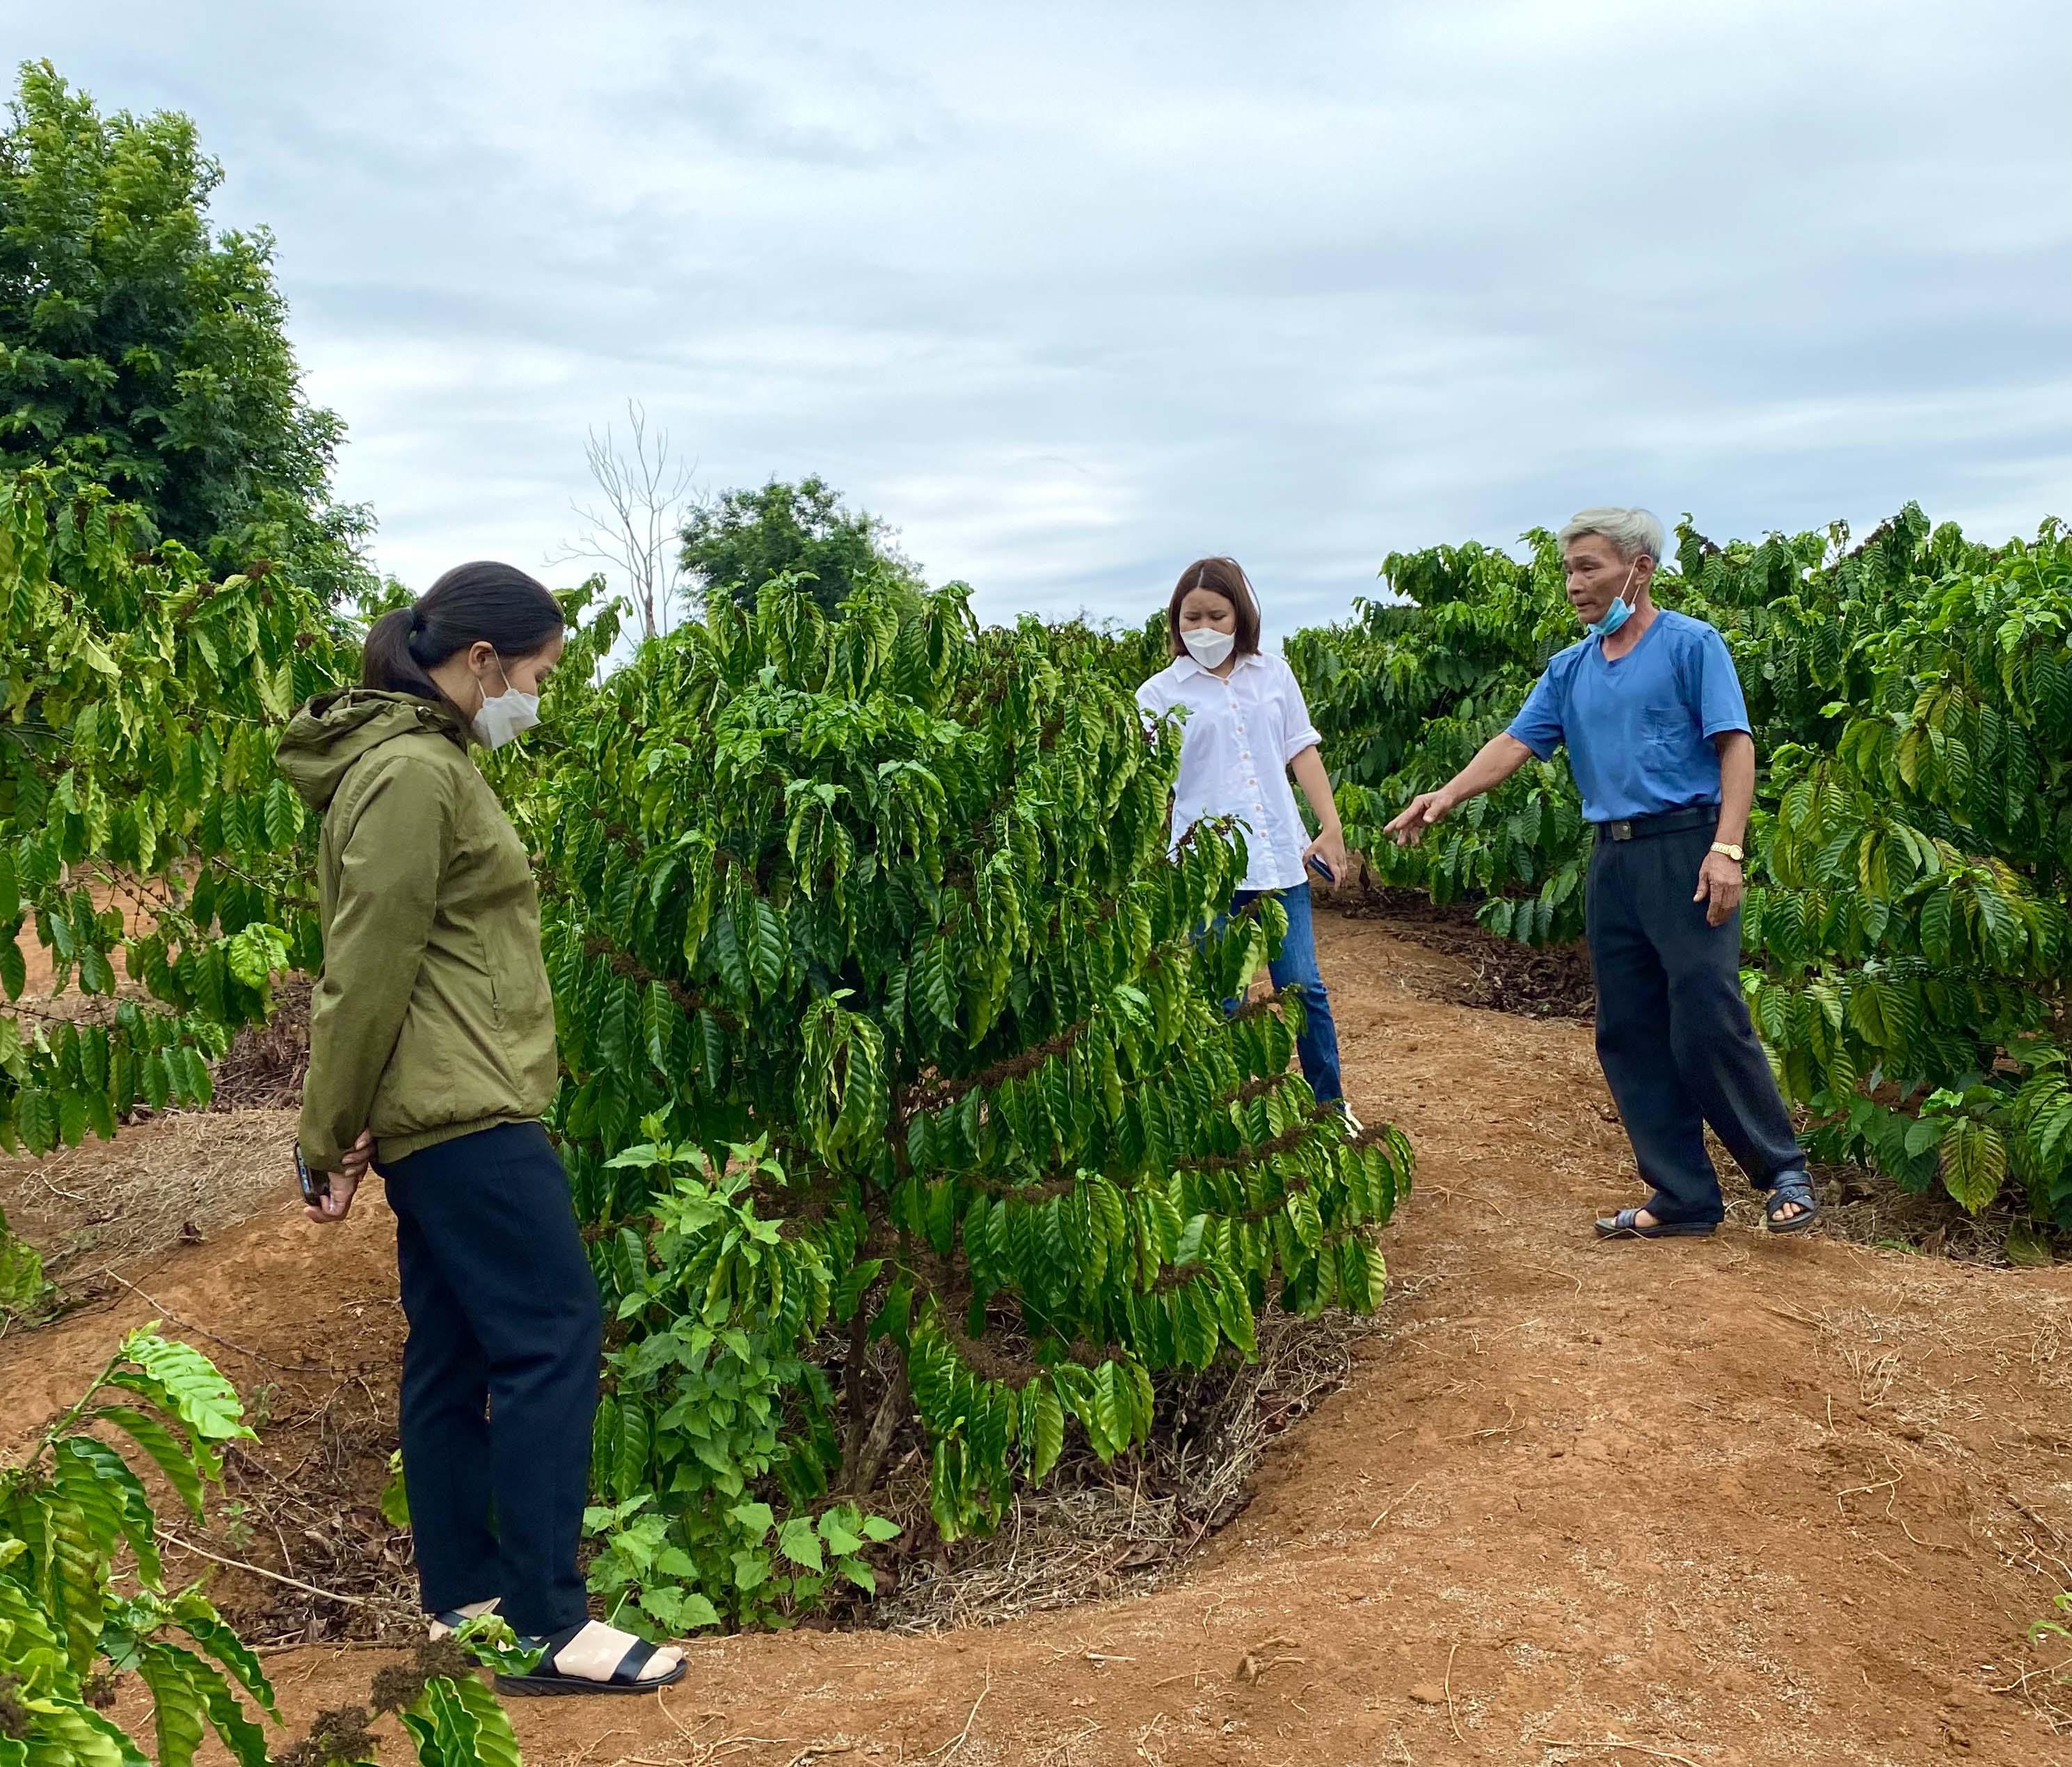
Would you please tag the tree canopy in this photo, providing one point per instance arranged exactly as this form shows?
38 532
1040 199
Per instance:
738 543
143 349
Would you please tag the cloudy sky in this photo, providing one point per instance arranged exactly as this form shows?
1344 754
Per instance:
1071 293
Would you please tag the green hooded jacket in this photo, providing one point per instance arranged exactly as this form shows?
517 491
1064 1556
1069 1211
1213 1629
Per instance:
433 1017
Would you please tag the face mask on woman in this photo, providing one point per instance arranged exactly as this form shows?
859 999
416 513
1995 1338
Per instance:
505 716
1207 646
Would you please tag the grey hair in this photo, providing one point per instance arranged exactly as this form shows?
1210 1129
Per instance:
1634 533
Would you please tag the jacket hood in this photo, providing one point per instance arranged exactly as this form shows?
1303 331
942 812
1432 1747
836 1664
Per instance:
334 730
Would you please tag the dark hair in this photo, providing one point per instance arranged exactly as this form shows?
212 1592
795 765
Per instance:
479 603
1224 577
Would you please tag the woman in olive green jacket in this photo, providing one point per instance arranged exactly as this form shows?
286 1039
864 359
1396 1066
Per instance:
432 1057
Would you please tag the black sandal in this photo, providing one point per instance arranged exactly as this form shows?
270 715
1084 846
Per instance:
625 1678
1626 1225
1791 1187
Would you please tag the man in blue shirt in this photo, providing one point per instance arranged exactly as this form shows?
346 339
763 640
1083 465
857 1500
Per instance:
1659 741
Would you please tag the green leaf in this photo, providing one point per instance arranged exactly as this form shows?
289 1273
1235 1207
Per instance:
841 1542
113 1499
1047 1440
180 1708
1974 1162
756 1518
395 1494
174 1459
198 1617
798 1542
74 1576
200 1396
494 1745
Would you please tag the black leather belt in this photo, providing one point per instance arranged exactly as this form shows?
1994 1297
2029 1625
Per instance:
1669 822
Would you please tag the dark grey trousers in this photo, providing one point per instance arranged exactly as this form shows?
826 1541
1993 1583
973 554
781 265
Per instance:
1673 1031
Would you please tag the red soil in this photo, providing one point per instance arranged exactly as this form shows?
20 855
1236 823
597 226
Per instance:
1739 1501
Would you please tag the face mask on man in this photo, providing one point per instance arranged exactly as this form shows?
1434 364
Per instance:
1207 646
1615 616
507 715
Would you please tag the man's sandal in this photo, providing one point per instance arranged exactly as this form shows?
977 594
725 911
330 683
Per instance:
624 1678
1791 1187
1626 1225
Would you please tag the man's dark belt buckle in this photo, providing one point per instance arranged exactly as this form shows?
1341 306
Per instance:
1619 830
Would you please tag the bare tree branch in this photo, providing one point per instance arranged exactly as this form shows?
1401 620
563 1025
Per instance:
635 530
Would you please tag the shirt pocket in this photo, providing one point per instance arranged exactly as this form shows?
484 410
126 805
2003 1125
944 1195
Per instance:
1673 729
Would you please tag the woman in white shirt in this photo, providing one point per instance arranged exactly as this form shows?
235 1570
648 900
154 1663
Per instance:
1246 730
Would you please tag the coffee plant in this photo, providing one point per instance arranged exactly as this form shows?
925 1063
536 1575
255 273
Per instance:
899 1098
148 847
68 1510
142 823
889 1026
1905 936
84 1600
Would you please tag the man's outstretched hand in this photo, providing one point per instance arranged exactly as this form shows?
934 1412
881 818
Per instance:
1426 808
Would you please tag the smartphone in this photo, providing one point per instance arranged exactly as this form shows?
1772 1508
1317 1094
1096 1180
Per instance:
316 1185
1322 869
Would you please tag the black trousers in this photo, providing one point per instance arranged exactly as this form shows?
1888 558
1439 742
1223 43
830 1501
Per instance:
500 1375
1673 1031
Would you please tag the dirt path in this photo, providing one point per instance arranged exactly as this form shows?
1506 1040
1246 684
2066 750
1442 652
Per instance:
1736 1501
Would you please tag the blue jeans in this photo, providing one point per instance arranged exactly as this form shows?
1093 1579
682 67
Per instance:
1296 966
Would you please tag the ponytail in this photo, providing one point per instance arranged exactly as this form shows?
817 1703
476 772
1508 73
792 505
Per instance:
498 605
386 661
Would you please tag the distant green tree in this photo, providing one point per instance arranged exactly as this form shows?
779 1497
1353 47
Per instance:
738 542
142 349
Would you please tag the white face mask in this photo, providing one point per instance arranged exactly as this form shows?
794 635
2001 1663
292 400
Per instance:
1207 646
505 716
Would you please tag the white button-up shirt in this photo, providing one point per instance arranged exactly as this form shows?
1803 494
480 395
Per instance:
1241 733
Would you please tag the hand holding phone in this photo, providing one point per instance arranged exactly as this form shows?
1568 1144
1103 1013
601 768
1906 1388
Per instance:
316 1185
327 1196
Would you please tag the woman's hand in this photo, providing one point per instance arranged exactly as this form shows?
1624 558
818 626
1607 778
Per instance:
344 1183
1329 848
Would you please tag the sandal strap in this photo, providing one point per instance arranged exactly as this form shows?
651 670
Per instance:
638 1656
1789 1187
626 1673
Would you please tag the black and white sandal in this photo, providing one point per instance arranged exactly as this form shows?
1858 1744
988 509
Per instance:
626 1678
444 1626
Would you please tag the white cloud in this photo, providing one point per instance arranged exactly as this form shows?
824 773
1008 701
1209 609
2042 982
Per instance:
1071 295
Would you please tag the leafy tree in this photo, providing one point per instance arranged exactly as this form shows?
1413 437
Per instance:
865 934
147 840
745 538
143 349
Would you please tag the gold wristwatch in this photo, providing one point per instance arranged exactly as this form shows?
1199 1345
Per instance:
1731 851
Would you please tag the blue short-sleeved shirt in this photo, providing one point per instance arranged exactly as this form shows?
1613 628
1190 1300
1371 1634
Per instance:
1639 730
